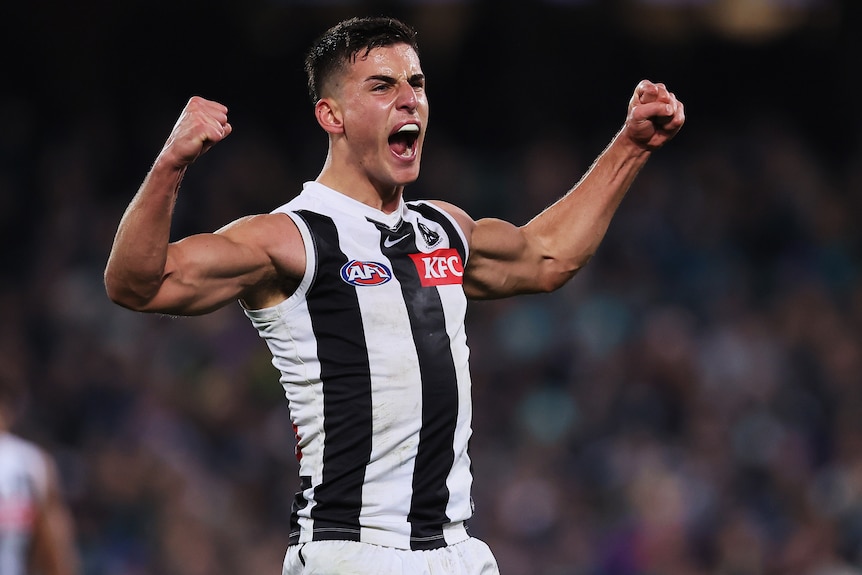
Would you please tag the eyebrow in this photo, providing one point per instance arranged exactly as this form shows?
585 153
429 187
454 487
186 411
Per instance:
390 80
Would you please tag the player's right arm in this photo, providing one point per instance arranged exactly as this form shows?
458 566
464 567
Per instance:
54 551
146 272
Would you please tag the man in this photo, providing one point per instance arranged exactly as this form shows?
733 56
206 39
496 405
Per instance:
361 297
35 526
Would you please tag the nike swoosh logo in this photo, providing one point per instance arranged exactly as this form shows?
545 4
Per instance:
389 242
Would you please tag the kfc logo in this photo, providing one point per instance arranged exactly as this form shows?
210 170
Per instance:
440 267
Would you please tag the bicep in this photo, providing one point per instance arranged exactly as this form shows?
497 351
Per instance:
502 261
206 271
505 259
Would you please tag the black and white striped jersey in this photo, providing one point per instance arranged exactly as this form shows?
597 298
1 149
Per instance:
23 489
373 358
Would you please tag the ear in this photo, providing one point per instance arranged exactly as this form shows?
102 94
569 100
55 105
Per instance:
329 116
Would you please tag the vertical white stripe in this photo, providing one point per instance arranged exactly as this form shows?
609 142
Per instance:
287 331
396 397
460 479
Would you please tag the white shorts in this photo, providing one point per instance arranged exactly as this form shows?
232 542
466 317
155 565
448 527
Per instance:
469 557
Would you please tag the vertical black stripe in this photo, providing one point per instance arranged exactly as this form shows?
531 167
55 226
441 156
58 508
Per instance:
346 375
435 454
299 503
433 213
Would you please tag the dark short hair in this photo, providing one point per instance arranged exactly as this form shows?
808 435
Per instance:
348 40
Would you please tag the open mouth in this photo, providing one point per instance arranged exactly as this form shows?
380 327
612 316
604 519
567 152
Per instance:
403 141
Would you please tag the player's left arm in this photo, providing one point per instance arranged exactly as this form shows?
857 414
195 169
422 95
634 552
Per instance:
545 253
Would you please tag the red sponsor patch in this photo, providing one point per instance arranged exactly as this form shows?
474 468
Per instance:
440 267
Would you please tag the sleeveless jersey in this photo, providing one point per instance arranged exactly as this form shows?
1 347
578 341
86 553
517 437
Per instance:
23 485
373 358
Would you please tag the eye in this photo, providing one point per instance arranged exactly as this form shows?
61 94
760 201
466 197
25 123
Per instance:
417 82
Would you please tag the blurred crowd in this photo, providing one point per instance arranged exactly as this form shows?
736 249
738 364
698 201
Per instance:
688 405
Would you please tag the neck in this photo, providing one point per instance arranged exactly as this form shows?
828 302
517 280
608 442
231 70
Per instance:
385 198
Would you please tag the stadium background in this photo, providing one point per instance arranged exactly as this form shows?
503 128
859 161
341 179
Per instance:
688 405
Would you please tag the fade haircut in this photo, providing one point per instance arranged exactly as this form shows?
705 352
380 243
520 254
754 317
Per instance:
347 41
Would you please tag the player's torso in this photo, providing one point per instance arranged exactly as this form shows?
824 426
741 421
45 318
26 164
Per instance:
373 357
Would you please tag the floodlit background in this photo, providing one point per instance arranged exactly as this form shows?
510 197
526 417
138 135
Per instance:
689 404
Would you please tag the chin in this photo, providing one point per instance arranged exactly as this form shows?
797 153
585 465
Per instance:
406 176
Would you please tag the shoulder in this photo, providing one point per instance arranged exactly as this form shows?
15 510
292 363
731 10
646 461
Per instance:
17 446
274 236
20 455
258 223
262 229
461 217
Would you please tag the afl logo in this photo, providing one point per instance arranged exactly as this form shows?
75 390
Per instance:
358 273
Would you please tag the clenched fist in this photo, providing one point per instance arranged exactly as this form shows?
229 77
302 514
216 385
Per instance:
654 115
201 124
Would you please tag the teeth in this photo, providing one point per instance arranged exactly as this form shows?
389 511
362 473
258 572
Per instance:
408 128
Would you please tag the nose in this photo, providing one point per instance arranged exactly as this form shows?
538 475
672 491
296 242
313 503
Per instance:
407 99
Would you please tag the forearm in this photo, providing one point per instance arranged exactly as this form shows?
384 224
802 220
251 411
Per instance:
569 232
136 265
545 253
54 550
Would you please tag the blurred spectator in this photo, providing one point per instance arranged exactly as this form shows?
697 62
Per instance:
36 529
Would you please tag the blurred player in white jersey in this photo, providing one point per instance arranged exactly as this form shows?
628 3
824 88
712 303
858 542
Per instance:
36 535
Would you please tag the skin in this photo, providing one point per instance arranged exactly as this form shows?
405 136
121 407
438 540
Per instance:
259 259
53 551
